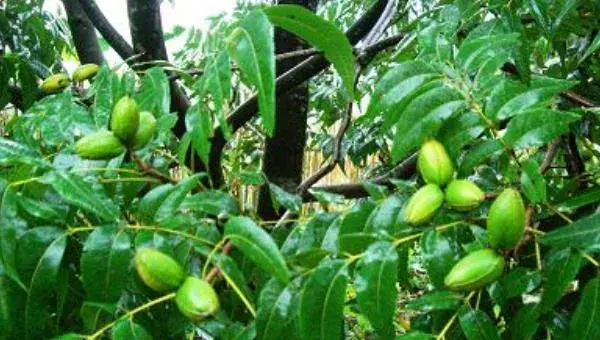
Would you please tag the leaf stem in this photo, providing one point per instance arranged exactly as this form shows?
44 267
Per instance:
132 313
452 319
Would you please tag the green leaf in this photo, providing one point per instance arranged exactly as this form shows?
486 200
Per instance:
474 52
378 192
585 323
354 220
256 243
28 83
74 190
520 281
251 46
105 264
355 243
233 274
439 256
314 231
422 118
560 268
592 48
383 218
319 33
537 127
510 98
129 330
39 255
150 203
524 325
582 234
155 92
533 182
40 209
458 131
397 85
436 300
176 197
216 81
375 282
275 310
212 202
416 335
322 301
280 197
12 152
478 154
477 325
102 93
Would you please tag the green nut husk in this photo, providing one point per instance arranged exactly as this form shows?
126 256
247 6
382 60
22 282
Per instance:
55 83
146 130
506 220
86 71
158 271
101 145
475 270
125 119
434 163
423 204
197 299
464 195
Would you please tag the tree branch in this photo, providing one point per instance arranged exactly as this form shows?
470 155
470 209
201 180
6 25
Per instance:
404 170
108 32
299 74
83 33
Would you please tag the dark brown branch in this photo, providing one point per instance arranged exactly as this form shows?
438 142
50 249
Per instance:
404 170
301 73
83 33
550 154
573 159
148 170
114 39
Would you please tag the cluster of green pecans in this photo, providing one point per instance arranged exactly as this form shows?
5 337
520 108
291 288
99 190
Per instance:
59 81
505 221
195 298
130 128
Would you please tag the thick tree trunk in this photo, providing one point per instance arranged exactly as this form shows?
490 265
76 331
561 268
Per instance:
84 33
284 152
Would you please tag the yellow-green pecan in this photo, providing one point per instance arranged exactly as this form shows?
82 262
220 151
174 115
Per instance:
158 271
146 130
434 163
506 220
125 119
86 71
464 195
197 299
101 145
475 270
55 83
423 204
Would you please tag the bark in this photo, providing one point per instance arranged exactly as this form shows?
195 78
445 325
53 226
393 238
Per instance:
284 152
83 33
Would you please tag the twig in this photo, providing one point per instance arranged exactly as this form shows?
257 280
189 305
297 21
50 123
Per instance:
147 169
550 155
212 275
